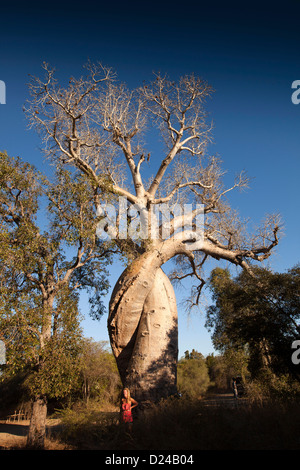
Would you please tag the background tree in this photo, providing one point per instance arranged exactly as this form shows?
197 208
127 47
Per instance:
260 314
41 272
221 368
100 377
193 355
101 127
193 377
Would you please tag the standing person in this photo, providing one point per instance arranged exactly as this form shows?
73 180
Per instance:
234 388
127 404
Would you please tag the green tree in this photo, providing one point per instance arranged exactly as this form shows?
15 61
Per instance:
193 378
218 373
193 355
99 373
223 367
46 257
259 313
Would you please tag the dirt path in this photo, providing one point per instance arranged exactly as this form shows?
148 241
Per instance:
224 399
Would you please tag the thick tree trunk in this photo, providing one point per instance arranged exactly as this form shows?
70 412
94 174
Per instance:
143 330
151 373
37 427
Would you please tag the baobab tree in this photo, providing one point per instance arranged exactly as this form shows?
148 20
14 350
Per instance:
101 127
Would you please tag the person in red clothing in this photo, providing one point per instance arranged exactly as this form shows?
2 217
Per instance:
127 404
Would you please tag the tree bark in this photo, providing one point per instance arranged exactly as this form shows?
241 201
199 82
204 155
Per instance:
143 330
37 427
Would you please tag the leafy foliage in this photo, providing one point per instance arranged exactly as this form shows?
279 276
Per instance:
193 378
48 253
261 314
222 368
99 374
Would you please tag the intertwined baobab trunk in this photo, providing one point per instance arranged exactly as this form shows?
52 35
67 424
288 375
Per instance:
143 329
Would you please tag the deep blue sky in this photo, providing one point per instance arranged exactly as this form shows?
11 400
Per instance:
248 52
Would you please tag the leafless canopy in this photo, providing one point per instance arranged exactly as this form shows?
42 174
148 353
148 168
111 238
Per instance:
101 127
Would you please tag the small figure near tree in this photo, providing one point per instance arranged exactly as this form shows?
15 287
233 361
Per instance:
127 405
234 387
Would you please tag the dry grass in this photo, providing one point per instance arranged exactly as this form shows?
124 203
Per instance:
180 425
186 425
193 426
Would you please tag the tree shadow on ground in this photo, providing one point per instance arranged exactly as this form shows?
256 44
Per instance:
14 429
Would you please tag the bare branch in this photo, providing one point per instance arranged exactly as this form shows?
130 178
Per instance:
181 103
99 125
66 120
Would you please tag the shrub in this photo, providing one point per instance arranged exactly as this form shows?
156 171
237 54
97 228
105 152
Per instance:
193 378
